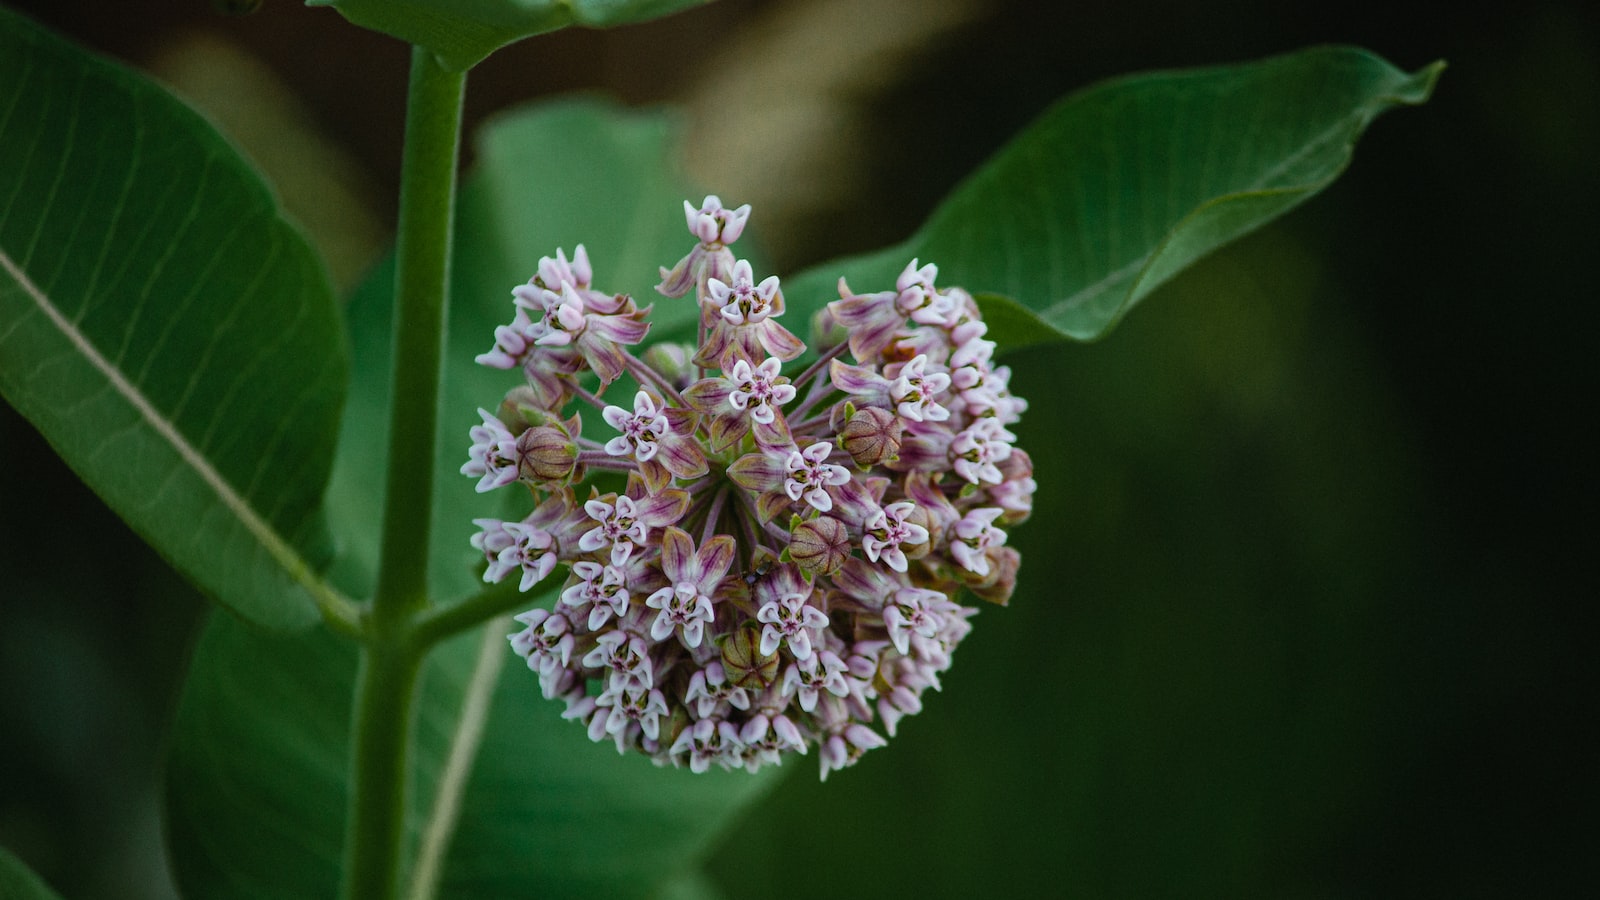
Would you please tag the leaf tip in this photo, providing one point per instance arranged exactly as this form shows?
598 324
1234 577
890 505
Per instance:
1419 87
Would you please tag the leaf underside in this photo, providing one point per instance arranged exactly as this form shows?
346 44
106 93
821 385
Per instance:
463 32
168 332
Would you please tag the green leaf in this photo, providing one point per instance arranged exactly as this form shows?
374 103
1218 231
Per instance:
167 331
463 32
1119 187
256 779
617 193
18 882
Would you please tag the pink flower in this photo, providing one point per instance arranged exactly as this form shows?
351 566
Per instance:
714 225
746 398
626 657
716 228
973 536
921 301
625 523
913 389
546 643
781 569
511 343
759 391
709 691
531 549
741 316
708 741
809 474
641 430
685 604
888 530
789 620
600 589
823 671
913 610
493 454
630 712
976 452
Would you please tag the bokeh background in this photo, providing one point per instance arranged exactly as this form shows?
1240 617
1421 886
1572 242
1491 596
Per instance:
1309 598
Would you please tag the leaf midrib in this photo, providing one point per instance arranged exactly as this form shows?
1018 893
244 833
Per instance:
1259 185
281 552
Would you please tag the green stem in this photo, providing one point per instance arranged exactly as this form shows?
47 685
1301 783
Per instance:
386 689
422 272
437 624
391 660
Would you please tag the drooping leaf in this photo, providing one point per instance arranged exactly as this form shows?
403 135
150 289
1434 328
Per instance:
167 331
1119 187
463 32
256 781
18 882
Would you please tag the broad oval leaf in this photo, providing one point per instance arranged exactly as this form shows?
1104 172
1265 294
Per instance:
256 779
167 331
463 32
1119 187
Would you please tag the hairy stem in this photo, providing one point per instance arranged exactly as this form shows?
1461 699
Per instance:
422 272
644 373
439 623
390 659
386 687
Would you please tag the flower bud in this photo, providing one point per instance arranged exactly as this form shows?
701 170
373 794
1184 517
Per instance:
744 662
928 522
521 409
673 361
546 455
820 546
871 436
1001 580
826 331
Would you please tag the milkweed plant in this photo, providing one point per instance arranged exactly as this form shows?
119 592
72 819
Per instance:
726 518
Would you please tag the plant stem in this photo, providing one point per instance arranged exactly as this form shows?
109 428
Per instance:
386 688
422 272
391 659
439 623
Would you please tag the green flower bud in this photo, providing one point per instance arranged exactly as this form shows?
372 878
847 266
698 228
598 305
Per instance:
871 436
546 455
744 663
820 546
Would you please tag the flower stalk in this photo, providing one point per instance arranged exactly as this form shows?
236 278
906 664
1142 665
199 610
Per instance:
390 659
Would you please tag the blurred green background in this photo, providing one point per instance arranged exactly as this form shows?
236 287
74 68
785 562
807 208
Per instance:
1307 603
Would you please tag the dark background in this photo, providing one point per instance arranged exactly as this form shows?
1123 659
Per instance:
1308 603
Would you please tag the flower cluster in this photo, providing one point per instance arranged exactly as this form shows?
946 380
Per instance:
778 565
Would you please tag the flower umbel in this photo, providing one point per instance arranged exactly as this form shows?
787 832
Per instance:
781 570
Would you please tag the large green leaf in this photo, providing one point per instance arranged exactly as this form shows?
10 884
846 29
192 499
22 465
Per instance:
1119 187
257 777
256 781
18 882
166 330
463 32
